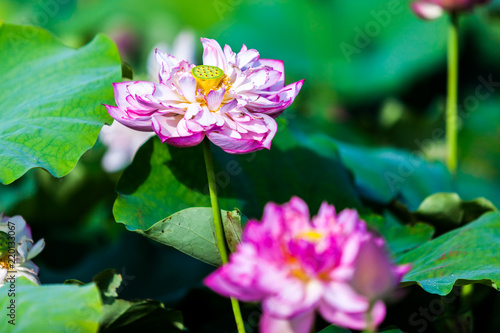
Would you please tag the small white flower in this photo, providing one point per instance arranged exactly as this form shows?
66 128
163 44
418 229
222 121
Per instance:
17 249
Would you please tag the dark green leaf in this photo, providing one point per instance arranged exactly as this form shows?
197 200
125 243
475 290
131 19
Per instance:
21 189
334 329
74 282
52 308
447 211
108 281
383 174
190 231
146 315
400 238
127 71
465 255
50 99
163 180
128 316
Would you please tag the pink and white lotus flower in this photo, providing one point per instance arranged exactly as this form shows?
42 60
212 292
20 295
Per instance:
296 266
233 99
432 9
17 249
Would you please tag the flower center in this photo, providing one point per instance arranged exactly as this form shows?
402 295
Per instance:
4 262
311 236
207 77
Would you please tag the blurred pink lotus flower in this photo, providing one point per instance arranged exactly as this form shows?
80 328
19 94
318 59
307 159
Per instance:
232 99
432 9
296 266
17 249
122 141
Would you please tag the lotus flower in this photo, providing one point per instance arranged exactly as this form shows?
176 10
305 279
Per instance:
232 99
432 9
296 266
17 249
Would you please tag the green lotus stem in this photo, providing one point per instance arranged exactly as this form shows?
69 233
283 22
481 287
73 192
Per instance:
452 97
466 295
219 230
370 327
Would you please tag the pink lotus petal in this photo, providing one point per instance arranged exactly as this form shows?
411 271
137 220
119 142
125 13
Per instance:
212 54
326 216
121 94
206 118
432 9
214 99
284 98
229 106
344 298
278 66
166 127
249 141
36 249
188 88
166 95
246 57
298 324
373 275
229 54
427 11
138 123
186 141
238 279
174 131
354 320
290 301
192 110
140 88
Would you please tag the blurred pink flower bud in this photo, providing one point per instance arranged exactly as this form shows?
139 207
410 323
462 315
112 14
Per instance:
374 275
432 9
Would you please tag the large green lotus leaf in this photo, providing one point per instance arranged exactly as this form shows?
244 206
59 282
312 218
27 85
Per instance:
161 181
120 315
191 231
383 174
465 255
51 308
50 99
